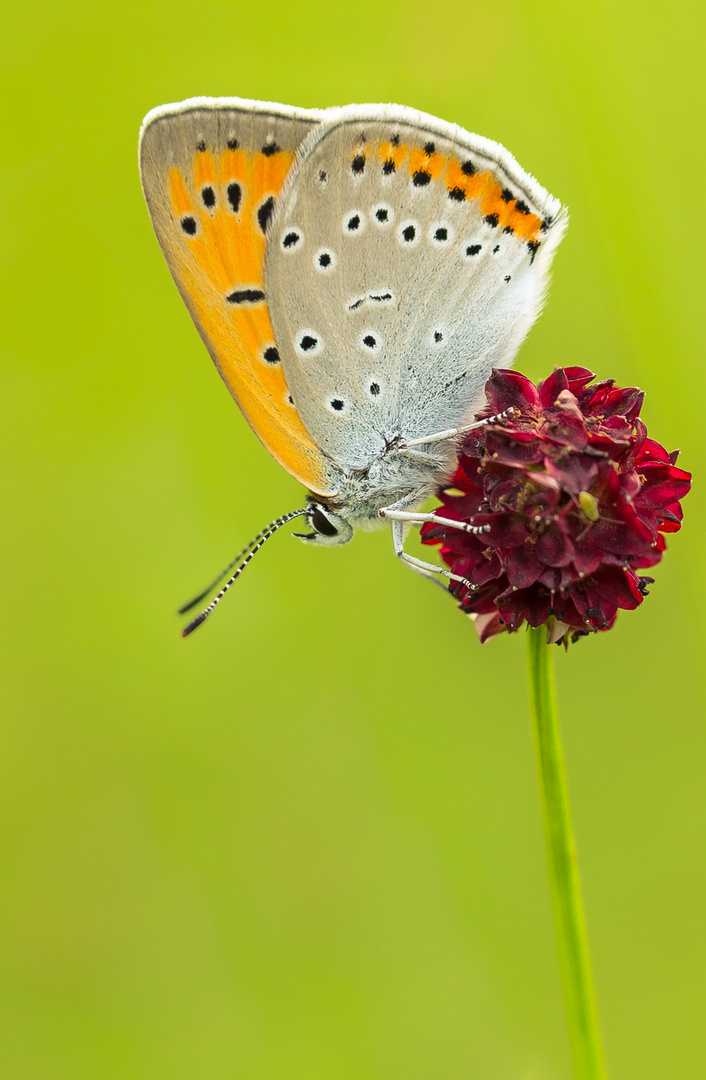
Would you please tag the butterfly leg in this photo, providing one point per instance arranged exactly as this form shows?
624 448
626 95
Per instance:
452 433
419 519
398 519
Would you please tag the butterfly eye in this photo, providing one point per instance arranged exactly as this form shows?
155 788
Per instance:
322 524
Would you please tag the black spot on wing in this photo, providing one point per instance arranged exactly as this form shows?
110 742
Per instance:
234 194
421 178
264 213
246 296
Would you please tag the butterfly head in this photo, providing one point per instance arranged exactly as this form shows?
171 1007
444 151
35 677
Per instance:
328 527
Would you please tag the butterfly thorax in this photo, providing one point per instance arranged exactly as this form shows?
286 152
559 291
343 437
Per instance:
396 476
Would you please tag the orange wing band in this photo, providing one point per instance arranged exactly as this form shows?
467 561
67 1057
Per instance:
222 211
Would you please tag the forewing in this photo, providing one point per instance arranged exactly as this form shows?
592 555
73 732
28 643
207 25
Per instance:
407 258
211 173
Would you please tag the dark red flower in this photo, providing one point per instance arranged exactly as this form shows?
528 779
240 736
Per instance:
568 498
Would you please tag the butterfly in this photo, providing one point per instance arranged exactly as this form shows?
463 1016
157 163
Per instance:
355 274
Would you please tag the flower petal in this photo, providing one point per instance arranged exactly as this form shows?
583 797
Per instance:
554 548
505 389
618 587
522 566
488 626
550 389
663 484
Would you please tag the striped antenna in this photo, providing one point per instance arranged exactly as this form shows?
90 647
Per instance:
249 551
234 562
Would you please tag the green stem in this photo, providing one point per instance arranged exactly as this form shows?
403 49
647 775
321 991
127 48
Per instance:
569 919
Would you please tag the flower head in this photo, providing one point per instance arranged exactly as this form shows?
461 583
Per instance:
568 498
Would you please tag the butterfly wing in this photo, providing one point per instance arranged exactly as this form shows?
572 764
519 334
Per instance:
211 172
407 258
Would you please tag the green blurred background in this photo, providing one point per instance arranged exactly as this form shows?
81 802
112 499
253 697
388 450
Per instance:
306 843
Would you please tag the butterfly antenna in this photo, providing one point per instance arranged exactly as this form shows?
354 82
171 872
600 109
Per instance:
234 562
252 549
